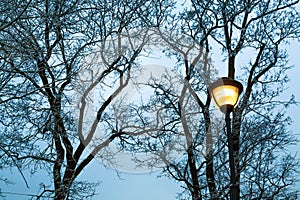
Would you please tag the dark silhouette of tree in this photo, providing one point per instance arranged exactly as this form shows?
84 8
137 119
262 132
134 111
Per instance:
65 64
45 50
252 36
11 11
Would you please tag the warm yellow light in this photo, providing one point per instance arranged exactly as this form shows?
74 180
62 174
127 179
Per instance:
226 95
225 92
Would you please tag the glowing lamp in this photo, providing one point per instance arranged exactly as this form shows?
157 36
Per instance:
226 92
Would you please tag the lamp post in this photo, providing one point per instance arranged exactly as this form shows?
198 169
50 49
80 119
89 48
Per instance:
225 92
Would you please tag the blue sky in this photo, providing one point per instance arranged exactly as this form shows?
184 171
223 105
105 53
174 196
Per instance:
148 187
130 186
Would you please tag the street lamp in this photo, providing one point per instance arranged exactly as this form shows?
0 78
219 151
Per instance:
226 92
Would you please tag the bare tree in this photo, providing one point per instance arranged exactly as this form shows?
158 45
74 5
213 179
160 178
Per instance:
44 52
11 11
255 31
59 56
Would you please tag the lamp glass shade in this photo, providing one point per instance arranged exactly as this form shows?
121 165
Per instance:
225 92
226 95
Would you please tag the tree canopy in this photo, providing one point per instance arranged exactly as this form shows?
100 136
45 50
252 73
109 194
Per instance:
67 66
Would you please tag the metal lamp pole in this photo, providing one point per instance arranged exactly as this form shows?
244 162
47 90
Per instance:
225 92
234 188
